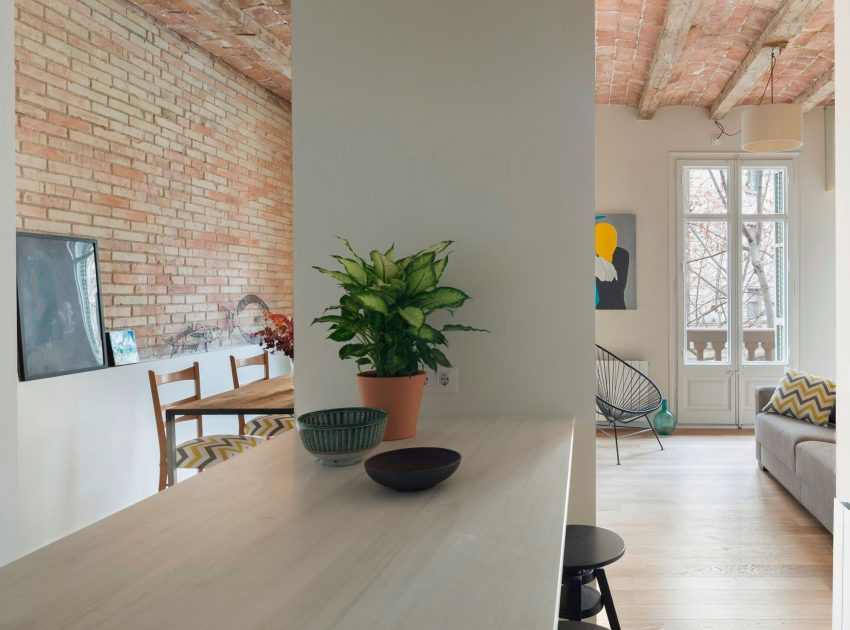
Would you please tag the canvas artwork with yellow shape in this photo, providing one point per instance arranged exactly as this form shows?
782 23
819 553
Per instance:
615 262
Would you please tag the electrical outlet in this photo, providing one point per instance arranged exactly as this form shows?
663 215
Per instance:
443 380
448 379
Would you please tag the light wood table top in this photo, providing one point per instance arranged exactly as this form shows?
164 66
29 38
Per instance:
273 539
273 395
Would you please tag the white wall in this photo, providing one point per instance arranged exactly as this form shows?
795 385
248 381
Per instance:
419 121
88 443
632 175
842 238
8 339
841 581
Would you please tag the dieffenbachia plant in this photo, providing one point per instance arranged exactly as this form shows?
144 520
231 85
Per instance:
382 317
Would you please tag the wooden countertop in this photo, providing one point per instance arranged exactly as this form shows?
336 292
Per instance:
273 539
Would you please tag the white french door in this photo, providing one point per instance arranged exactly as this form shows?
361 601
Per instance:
735 288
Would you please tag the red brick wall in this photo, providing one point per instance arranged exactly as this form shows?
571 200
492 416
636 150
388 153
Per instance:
178 165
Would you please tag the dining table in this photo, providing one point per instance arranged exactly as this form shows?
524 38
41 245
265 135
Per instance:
275 539
263 397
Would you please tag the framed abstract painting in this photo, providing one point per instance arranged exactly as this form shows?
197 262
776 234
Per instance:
60 316
122 349
616 256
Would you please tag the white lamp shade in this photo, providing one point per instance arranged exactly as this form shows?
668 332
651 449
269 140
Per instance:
772 128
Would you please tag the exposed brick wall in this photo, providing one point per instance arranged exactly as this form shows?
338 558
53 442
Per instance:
178 165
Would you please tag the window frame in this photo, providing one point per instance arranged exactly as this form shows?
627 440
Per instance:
735 217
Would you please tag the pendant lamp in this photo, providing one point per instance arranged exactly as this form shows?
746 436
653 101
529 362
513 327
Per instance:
774 127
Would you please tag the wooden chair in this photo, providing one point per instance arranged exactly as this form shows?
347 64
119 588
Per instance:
262 426
200 452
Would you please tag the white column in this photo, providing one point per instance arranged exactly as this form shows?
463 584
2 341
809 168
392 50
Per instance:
841 609
8 315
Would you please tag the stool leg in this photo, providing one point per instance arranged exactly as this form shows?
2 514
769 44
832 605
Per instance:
573 606
607 600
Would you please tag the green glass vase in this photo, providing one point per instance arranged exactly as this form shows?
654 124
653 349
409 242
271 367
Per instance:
665 421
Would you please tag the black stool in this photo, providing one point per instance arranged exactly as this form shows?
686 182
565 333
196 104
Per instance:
587 550
578 625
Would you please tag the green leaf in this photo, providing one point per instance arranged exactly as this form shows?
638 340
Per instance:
364 361
436 248
442 297
351 249
373 302
413 315
418 261
440 266
353 350
384 266
337 275
440 358
342 334
427 356
390 253
420 280
431 335
329 319
448 327
396 287
354 269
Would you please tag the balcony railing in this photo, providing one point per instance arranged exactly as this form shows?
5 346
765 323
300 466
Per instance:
710 344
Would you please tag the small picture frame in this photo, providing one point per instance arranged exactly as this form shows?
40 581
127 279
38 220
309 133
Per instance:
122 349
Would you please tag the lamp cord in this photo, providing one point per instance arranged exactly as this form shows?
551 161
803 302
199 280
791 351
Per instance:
770 78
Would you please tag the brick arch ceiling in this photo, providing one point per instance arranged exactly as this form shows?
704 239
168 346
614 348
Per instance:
716 38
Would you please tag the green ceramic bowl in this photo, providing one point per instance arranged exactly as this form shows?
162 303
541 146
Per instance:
341 437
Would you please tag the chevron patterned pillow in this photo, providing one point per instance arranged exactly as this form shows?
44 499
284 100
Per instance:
804 397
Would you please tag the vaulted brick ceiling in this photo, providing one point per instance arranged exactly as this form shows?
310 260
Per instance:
711 54
253 36
717 39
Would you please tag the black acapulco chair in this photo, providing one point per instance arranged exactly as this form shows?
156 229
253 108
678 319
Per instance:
623 395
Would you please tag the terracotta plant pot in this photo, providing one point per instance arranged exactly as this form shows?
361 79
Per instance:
399 396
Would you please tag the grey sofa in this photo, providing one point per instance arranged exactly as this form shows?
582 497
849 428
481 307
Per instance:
801 456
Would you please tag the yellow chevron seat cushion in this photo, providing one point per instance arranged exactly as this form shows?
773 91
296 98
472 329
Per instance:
269 426
804 397
209 450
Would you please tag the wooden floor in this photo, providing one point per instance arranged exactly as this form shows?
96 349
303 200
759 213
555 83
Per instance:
712 542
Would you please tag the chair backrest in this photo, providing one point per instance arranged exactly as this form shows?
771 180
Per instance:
257 359
156 381
235 364
623 391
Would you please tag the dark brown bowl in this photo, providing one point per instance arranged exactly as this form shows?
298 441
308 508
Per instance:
411 469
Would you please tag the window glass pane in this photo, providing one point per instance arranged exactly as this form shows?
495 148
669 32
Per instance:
763 190
705 190
706 246
763 290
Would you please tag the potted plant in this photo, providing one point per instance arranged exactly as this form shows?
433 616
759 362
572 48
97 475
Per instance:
382 322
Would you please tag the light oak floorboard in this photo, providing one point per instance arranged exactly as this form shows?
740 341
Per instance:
712 542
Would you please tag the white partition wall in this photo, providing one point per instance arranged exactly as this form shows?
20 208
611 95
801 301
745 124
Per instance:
415 122
8 338
841 583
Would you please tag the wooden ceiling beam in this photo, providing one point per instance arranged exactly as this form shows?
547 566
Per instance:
819 91
787 22
677 24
